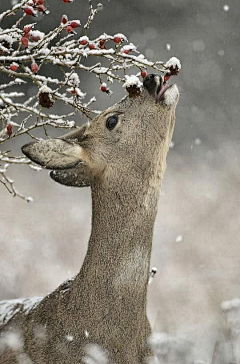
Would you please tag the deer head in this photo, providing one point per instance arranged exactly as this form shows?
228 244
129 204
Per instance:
127 139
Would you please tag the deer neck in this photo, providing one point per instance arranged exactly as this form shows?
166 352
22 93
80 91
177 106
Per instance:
119 251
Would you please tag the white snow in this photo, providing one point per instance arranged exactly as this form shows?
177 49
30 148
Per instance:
131 81
231 304
73 79
179 238
19 81
77 92
69 338
221 52
168 46
6 38
226 7
84 38
37 34
94 354
45 90
120 35
197 141
173 62
9 308
129 47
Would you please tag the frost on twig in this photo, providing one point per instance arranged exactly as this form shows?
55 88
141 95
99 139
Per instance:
29 56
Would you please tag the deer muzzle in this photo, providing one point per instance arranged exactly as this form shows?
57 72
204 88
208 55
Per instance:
155 85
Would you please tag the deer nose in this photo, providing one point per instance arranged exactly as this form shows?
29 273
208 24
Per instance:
153 82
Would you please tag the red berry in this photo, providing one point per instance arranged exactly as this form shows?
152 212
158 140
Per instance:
64 19
103 87
83 42
67 1
126 51
75 23
117 39
69 29
27 29
91 46
39 2
24 41
14 66
144 74
9 129
34 67
101 43
29 11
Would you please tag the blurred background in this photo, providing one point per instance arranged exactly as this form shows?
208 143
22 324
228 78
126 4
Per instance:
196 245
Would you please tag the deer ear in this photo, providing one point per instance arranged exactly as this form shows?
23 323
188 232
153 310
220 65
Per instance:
55 153
73 177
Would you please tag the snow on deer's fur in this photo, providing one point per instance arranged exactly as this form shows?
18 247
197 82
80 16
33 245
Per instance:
121 155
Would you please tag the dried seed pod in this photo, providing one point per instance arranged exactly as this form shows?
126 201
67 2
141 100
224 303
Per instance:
134 91
45 98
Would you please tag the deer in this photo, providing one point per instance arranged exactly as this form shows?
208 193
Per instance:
121 156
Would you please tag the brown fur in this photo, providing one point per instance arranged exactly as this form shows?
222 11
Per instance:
124 168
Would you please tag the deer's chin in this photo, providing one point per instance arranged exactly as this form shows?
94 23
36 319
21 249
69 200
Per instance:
168 95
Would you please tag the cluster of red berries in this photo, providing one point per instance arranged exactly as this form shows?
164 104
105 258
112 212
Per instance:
35 6
101 43
72 24
28 35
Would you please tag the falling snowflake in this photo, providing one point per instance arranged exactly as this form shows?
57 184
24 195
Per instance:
179 238
197 141
226 7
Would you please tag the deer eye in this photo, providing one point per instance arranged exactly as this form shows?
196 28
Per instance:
112 122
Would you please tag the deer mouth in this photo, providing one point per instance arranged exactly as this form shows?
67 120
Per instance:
161 90
156 85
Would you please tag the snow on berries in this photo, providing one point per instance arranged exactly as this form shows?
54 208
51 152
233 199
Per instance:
128 48
14 66
75 23
36 35
29 10
84 40
27 29
103 87
64 19
119 38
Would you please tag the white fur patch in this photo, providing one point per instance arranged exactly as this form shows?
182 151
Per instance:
171 95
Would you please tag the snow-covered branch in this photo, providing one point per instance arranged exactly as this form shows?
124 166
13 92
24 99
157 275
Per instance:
24 50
